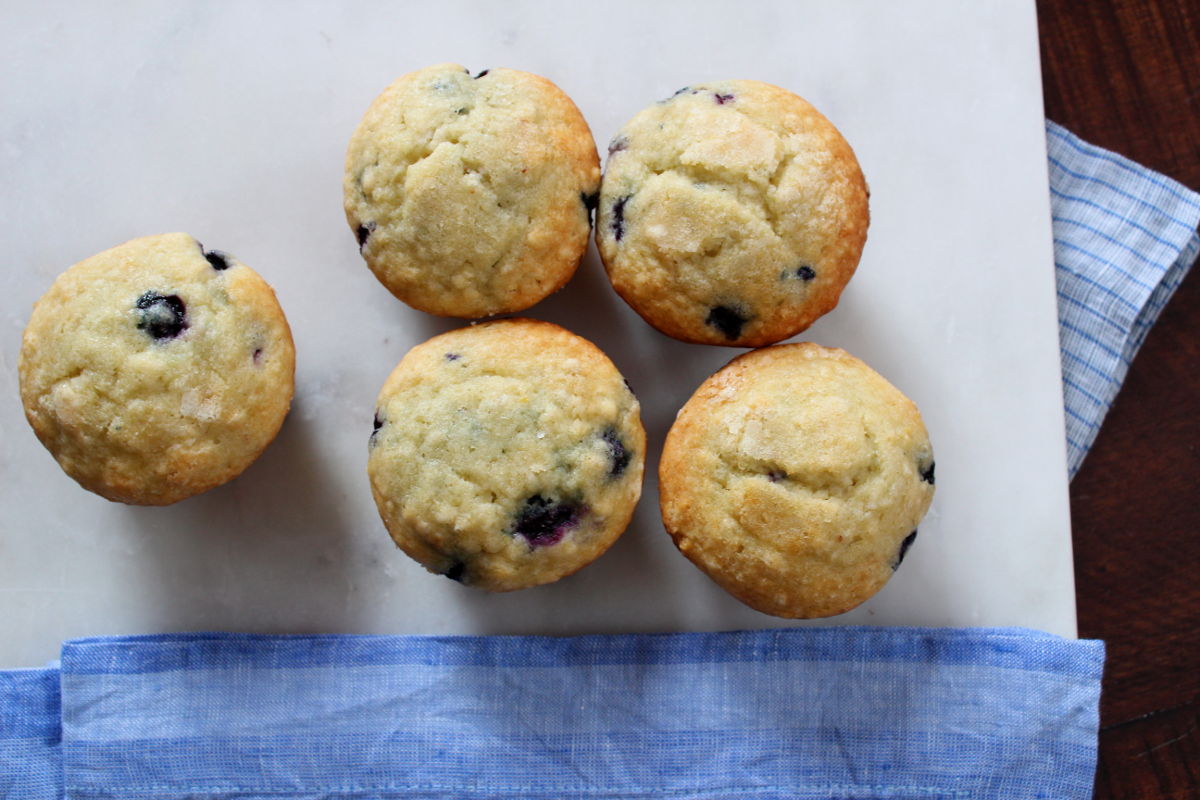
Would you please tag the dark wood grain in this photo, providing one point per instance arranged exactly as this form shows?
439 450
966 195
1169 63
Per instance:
1126 76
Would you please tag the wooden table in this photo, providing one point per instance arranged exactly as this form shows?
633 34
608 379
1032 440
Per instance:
1125 75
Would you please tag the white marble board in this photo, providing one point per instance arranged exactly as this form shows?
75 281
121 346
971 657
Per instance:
229 121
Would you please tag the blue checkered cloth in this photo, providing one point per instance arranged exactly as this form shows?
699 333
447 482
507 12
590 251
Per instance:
798 713
1124 238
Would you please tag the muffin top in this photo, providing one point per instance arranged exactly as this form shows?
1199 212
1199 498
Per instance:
506 454
731 213
795 478
156 370
471 195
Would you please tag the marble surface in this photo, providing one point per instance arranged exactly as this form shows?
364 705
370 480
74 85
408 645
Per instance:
229 121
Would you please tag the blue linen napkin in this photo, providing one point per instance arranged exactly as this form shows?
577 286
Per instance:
798 713
30 734
883 712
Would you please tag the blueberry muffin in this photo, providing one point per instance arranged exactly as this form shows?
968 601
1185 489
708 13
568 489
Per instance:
795 478
731 213
507 454
157 370
471 195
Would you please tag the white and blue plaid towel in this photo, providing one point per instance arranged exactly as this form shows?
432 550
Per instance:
799 713
1124 238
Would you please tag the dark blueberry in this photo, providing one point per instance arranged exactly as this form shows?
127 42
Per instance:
803 273
776 475
676 93
618 220
453 356
544 522
161 317
729 321
618 144
480 75
377 423
362 233
927 473
456 571
907 543
589 200
257 355
618 456
722 99
219 260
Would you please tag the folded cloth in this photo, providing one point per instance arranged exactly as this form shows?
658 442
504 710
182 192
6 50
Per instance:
1124 238
798 713
30 734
